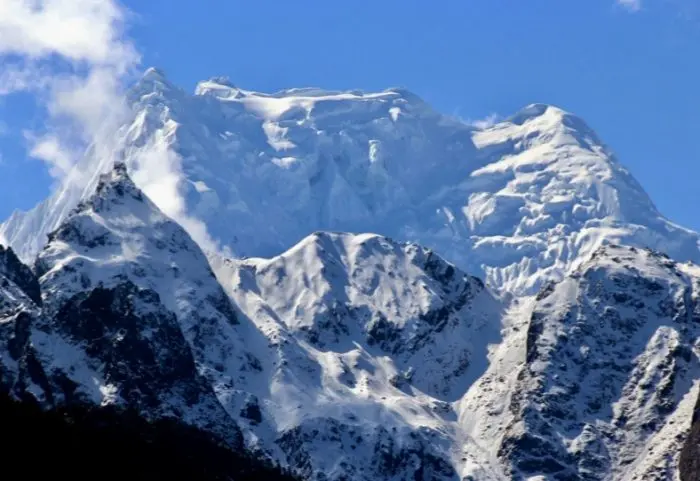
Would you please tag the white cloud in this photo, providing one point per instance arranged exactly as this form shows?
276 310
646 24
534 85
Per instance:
74 56
49 149
21 77
78 30
489 121
159 174
631 5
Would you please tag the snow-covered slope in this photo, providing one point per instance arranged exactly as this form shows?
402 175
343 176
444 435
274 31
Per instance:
609 380
518 203
396 299
370 343
595 378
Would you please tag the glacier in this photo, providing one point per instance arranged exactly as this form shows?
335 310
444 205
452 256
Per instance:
251 174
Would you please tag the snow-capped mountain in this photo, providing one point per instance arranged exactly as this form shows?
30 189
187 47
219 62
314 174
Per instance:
341 358
208 275
370 343
518 203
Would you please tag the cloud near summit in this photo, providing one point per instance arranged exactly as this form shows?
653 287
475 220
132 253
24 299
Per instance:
88 31
73 55
75 58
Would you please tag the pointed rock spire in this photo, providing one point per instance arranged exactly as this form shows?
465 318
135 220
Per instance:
15 271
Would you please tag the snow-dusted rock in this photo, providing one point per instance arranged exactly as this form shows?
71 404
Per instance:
19 299
609 382
370 342
119 281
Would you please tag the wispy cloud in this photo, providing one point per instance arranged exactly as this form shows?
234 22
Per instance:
78 30
74 56
631 5
488 121
49 148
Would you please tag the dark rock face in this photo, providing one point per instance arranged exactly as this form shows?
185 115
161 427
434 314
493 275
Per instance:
127 341
405 456
87 344
19 298
689 465
414 458
13 270
143 354
536 454
135 348
251 411
384 334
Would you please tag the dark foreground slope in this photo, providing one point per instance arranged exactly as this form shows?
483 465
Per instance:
106 444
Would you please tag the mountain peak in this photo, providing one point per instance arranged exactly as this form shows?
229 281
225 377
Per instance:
547 119
117 175
222 80
152 86
154 74
114 187
218 87
408 95
546 116
534 111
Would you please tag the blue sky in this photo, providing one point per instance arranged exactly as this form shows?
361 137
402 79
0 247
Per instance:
631 71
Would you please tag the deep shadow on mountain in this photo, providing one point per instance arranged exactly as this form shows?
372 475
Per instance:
80 443
689 464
